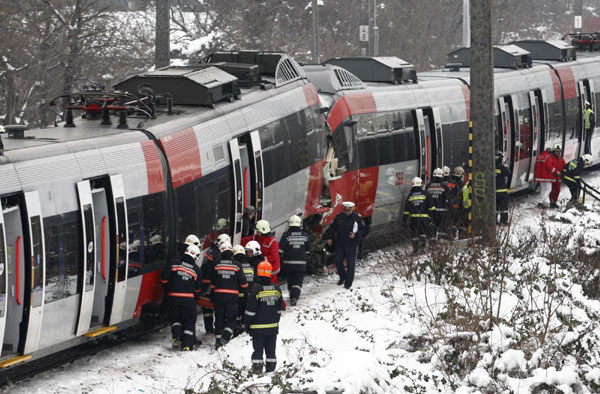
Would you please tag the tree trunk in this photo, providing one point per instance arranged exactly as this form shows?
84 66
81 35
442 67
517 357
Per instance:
163 17
11 98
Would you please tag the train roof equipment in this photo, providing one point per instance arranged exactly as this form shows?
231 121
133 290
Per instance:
505 56
330 79
386 69
584 41
556 50
187 85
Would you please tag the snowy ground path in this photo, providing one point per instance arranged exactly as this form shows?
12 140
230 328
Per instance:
361 340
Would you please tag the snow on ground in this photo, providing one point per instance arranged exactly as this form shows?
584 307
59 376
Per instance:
392 333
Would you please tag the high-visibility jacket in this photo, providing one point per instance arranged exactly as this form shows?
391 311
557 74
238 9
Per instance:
588 116
572 171
545 170
264 307
182 280
247 269
455 185
502 176
437 194
416 205
294 248
228 279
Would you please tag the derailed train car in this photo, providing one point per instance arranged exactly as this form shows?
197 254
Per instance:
93 208
388 126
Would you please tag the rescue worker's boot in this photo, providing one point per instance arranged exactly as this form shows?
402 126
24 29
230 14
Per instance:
270 366
257 367
293 301
415 245
176 345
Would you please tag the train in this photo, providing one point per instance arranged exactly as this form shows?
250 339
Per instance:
93 207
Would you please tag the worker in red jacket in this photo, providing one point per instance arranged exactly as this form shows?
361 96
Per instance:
559 164
545 173
268 246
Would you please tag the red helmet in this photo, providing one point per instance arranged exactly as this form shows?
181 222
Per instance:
264 269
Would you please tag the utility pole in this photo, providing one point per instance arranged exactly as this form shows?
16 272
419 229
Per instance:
163 19
375 30
315 31
578 16
466 24
483 175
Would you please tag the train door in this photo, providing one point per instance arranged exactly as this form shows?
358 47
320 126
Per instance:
26 273
257 175
238 193
119 256
541 120
3 278
433 132
588 88
423 135
102 250
536 132
87 273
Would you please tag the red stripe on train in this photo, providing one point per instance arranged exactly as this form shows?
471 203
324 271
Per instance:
156 178
354 104
467 95
183 155
555 84
310 93
568 82
151 291
315 190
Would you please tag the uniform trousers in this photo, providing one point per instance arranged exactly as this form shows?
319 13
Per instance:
294 283
349 253
182 316
555 192
225 319
502 206
268 345
207 314
574 188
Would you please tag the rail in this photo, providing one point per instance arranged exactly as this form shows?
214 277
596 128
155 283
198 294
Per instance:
587 189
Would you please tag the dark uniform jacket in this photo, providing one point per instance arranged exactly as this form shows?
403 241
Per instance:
294 248
228 279
212 257
247 269
416 205
502 175
182 279
437 194
572 171
264 307
342 226
455 185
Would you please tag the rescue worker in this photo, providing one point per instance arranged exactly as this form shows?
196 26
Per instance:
240 258
571 175
347 228
294 248
559 164
455 209
589 124
212 257
437 192
269 246
446 171
545 174
227 283
502 176
261 318
466 205
189 240
248 221
416 214
254 254
181 278
222 228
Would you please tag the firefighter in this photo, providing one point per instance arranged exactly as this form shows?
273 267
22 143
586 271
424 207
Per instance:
589 125
347 228
437 192
545 173
446 171
248 221
455 187
294 248
269 246
181 278
227 283
571 175
261 318
212 257
240 258
559 163
221 228
254 254
416 214
502 176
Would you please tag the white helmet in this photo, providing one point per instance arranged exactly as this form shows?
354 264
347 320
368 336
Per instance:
438 172
237 249
222 238
192 240
222 223
417 181
193 251
295 221
556 148
254 247
446 170
225 246
587 160
262 226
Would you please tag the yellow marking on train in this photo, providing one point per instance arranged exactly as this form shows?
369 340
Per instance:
100 331
15 360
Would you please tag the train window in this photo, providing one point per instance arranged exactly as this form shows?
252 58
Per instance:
295 142
3 269
524 126
154 224
37 267
136 238
382 123
121 240
397 120
88 218
187 210
366 125
63 254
